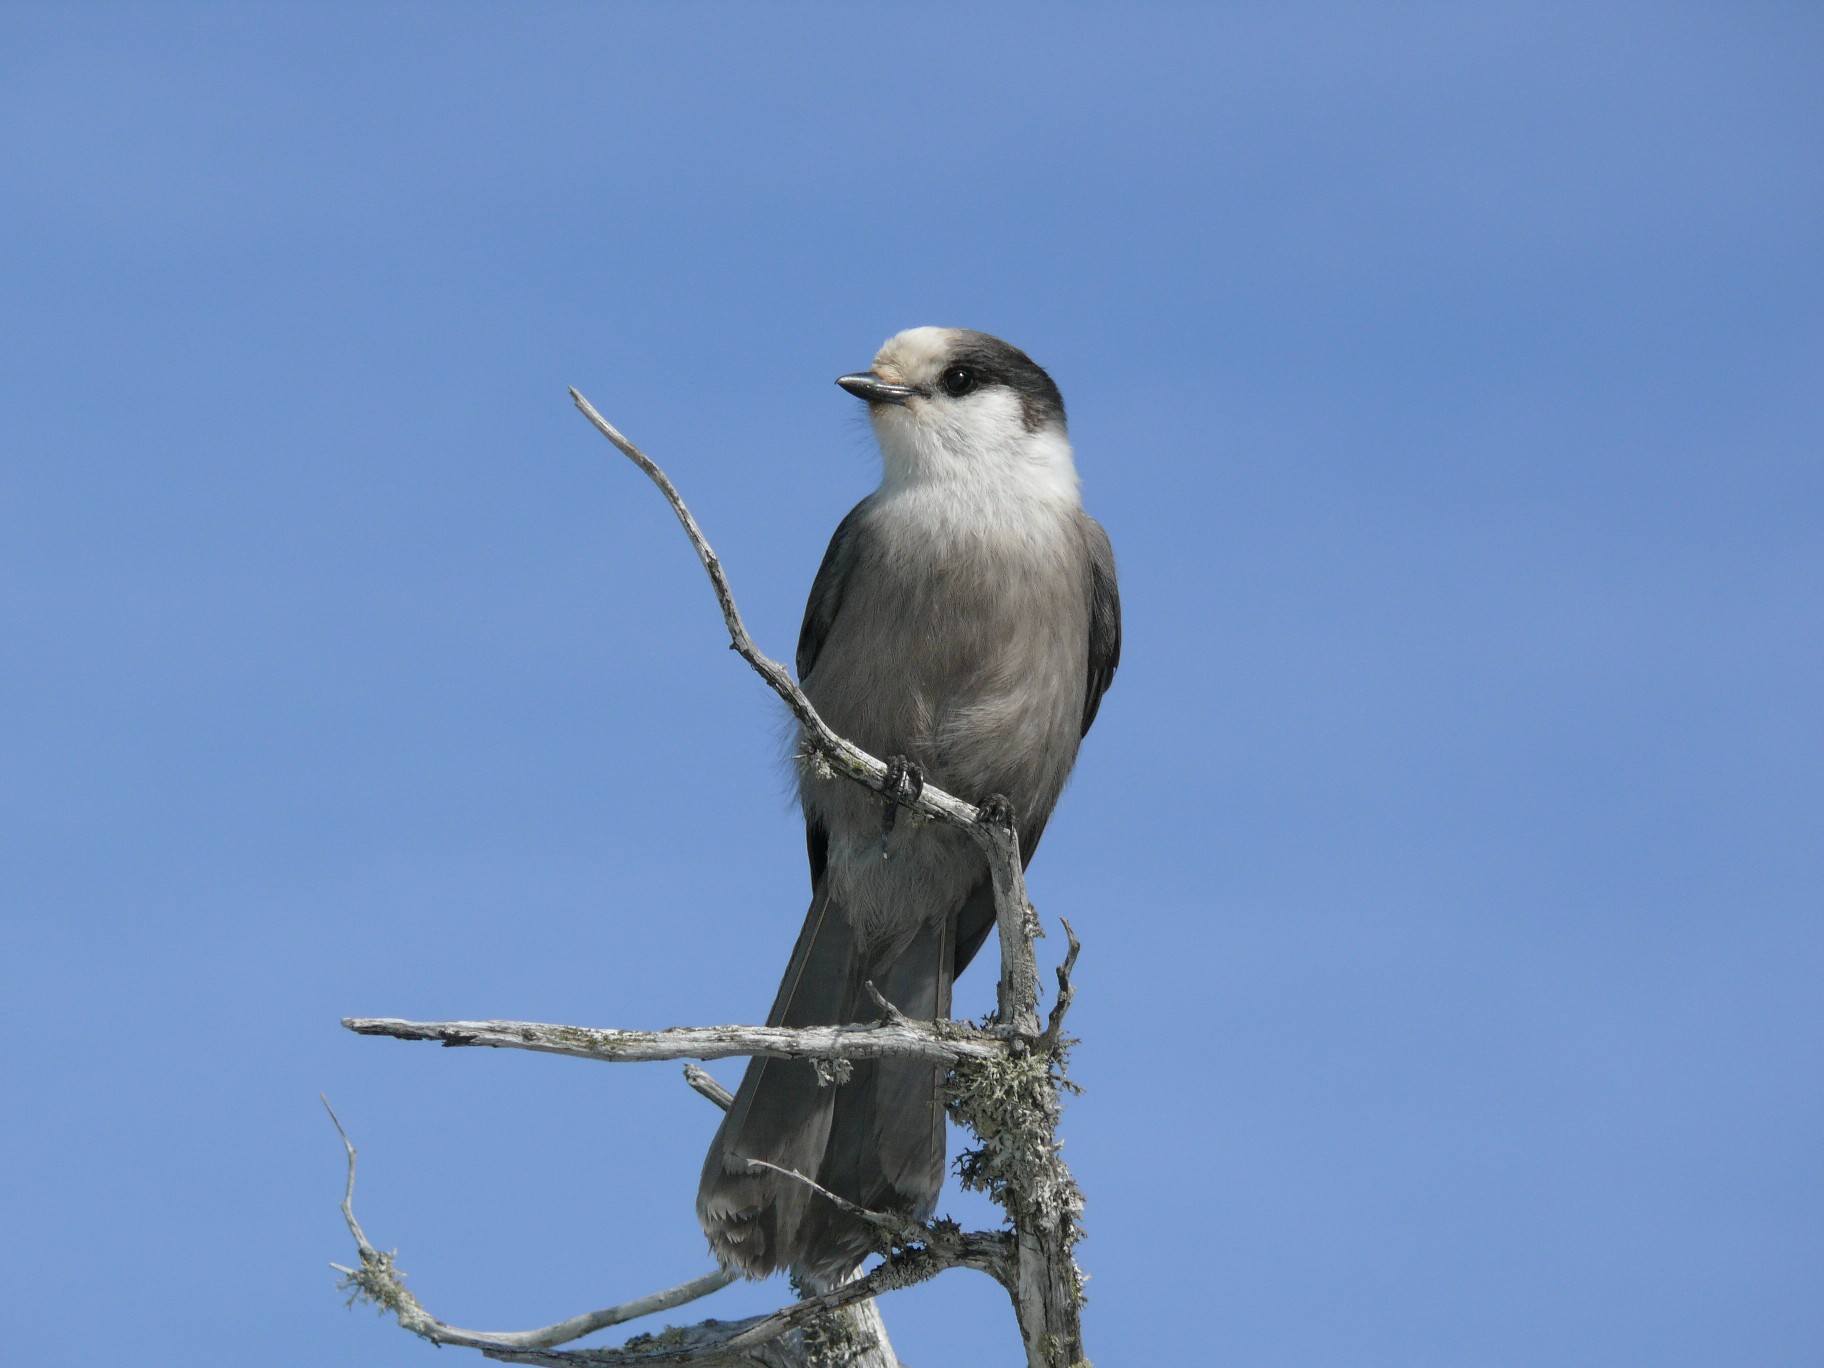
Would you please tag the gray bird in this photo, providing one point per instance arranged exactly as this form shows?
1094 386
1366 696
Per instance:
965 623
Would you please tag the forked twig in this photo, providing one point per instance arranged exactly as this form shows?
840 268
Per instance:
380 1281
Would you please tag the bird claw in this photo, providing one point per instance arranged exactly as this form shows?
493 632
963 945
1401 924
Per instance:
996 810
905 781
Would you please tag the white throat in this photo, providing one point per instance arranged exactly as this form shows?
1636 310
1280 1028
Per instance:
979 450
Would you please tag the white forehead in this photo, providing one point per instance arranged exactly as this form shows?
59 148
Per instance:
916 353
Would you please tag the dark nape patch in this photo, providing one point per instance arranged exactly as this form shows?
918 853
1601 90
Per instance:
1000 363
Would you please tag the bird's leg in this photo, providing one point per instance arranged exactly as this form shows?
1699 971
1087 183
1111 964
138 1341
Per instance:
905 780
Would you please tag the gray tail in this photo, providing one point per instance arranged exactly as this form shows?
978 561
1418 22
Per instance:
876 1139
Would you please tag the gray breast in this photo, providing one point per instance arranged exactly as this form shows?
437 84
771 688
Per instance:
961 643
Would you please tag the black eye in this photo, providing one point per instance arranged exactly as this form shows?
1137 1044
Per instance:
957 381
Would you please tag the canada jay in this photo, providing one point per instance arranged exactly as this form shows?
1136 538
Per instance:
964 622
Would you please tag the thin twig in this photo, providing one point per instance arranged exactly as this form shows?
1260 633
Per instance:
550 1336
379 1280
1067 991
891 1014
901 1228
705 1083
985 1251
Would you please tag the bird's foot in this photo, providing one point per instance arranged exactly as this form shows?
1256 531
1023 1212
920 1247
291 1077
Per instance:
905 781
996 810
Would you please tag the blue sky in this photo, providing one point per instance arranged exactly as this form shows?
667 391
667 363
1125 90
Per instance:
1447 855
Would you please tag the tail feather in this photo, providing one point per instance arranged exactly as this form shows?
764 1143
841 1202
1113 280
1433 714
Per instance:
885 1149
876 1139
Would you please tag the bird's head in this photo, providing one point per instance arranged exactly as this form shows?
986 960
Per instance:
952 404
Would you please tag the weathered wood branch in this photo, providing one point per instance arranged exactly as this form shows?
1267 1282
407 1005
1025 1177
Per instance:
940 1042
711 1343
705 1085
915 1253
380 1280
843 1323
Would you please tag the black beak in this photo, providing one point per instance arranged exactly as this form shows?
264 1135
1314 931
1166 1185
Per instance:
871 387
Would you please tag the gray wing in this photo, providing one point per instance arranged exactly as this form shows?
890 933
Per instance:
1104 619
819 612
826 590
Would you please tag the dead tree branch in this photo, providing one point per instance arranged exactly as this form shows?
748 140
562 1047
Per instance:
700 1078
943 1042
380 1280
915 1253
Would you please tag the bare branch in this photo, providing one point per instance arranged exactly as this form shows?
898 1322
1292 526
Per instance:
889 1011
348 1193
550 1336
1067 992
704 1082
901 1229
939 1042
710 1343
1017 924
380 1281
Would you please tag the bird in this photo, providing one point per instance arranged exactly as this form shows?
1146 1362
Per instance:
965 623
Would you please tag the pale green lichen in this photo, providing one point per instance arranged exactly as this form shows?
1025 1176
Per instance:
379 1282
588 1038
833 1340
1011 1105
912 1262
815 763
671 1337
